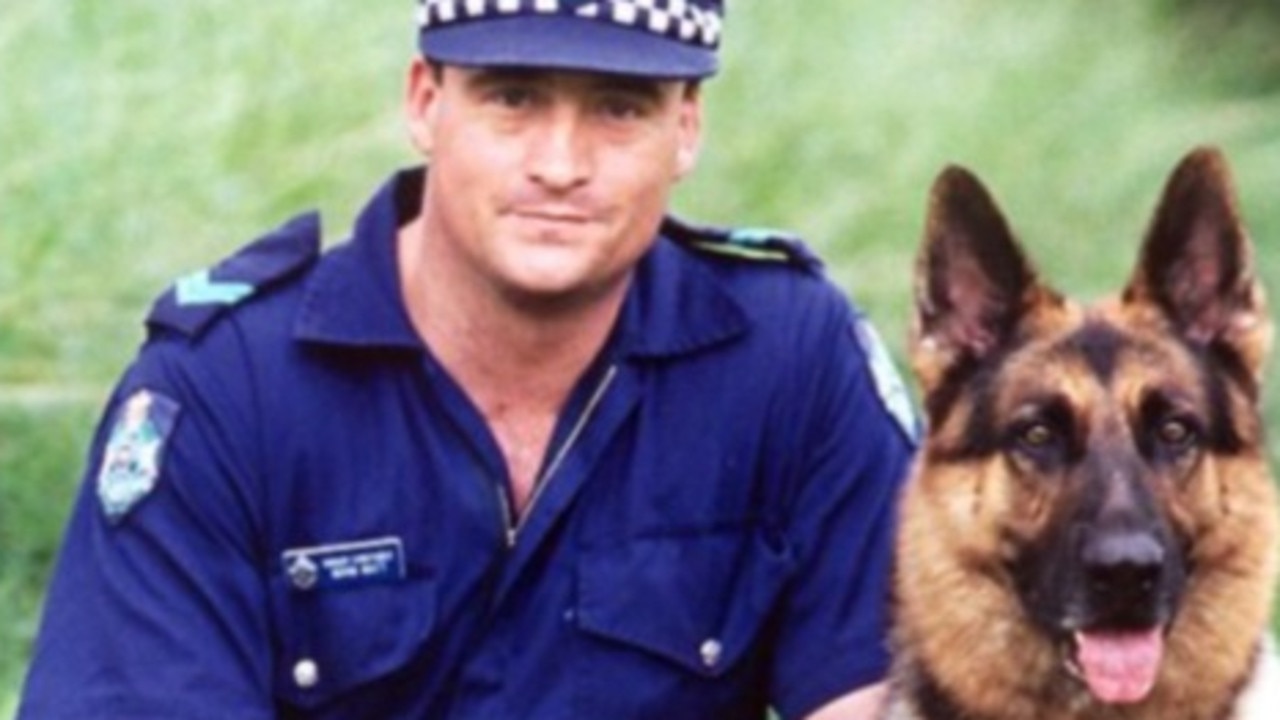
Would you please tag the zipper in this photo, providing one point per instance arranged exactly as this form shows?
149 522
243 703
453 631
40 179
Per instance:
512 529
504 513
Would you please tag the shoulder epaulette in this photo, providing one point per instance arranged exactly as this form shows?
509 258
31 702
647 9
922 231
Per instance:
756 244
197 300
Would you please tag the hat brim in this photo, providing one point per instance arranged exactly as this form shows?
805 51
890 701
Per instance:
562 42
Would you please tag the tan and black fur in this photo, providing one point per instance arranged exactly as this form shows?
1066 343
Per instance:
1094 475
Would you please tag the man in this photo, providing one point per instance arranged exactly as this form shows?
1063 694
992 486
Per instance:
522 448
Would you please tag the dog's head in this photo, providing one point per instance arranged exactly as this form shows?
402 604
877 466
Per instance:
1086 456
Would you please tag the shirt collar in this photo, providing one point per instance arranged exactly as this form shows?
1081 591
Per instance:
675 305
353 299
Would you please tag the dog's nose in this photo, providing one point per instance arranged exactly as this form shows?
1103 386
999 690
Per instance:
1123 565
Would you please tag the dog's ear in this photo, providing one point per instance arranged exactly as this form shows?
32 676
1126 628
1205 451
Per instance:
1196 264
972 285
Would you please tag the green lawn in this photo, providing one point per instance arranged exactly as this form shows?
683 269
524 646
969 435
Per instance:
140 140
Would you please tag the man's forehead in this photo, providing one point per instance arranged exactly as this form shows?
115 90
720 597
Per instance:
573 78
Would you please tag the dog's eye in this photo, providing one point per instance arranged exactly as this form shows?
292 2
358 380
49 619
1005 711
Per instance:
1037 442
1041 433
1036 436
1176 433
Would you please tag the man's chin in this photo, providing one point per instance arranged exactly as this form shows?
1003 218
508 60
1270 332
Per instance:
561 292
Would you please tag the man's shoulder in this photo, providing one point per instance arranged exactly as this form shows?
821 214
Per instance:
223 331
772 275
198 301
743 246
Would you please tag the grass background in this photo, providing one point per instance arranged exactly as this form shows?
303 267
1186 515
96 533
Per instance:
140 140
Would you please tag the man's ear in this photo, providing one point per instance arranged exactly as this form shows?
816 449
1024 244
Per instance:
422 90
690 130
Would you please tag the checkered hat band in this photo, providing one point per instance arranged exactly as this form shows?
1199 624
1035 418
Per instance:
682 20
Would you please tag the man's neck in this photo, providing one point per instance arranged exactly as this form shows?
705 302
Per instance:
516 359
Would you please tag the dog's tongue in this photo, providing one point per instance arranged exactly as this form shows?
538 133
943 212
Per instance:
1120 667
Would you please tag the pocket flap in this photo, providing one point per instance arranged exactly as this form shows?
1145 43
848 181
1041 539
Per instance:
334 640
697 600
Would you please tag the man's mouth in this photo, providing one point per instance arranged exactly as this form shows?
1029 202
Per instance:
1119 667
564 216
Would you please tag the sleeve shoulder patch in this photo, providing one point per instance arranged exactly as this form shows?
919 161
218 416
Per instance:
195 301
747 244
132 456
890 388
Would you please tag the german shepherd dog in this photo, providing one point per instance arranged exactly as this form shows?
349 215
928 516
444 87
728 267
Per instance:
1091 528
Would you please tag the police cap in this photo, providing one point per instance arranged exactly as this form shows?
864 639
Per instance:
672 39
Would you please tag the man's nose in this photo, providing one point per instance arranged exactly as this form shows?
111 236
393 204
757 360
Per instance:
559 153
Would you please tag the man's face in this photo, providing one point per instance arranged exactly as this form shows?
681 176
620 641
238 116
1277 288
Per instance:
548 185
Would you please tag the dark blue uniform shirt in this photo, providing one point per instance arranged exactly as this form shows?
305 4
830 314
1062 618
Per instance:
292 510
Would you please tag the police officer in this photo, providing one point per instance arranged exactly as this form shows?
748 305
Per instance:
524 447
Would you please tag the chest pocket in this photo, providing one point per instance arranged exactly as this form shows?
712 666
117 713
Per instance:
681 615
333 641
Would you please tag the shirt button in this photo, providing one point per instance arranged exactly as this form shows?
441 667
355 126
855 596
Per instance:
306 673
711 651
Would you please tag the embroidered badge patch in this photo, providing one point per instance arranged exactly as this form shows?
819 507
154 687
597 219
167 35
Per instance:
132 457
889 386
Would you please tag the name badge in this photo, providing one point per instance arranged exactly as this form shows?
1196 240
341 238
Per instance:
345 565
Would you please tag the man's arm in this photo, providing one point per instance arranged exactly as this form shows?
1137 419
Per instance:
833 645
862 704
157 606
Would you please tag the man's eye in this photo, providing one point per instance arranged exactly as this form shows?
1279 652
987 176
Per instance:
512 97
621 108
